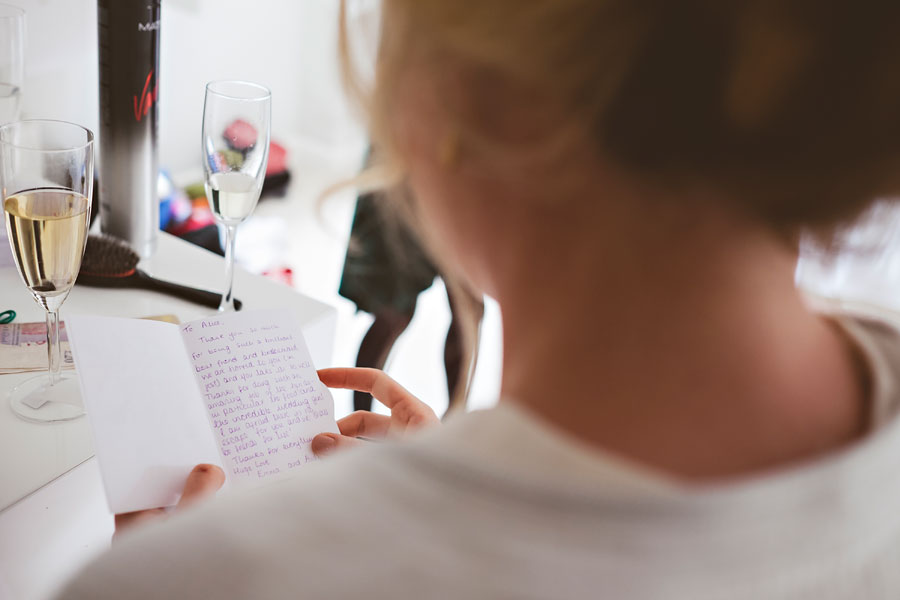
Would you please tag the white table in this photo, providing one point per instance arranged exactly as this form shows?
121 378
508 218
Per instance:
53 514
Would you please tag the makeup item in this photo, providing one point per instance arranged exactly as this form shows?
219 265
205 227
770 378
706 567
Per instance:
110 262
128 39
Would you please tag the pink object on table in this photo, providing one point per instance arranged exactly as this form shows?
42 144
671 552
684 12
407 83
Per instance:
241 135
282 275
201 216
277 159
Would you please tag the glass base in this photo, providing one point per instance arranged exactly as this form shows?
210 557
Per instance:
37 401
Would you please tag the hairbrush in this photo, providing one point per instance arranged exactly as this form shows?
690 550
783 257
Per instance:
110 262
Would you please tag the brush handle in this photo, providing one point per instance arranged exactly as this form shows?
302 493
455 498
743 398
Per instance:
204 297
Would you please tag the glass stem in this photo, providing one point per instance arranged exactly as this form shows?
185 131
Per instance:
227 303
54 356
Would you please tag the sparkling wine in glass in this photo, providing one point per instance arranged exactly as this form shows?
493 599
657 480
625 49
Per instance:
12 61
236 131
46 176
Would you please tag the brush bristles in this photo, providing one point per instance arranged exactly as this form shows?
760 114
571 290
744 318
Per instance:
108 256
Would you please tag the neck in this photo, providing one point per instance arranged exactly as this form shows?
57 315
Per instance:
676 342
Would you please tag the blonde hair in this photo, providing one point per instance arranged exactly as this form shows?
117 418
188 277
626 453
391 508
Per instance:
790 107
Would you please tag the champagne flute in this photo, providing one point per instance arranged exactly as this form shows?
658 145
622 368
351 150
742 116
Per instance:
236 131
46 179
12 61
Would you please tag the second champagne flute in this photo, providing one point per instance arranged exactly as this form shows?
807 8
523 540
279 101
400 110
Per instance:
236 132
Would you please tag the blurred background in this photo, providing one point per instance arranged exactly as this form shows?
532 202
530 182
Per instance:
291 47
288 46
293 236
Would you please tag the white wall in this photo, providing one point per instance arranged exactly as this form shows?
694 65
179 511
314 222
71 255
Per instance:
288 45
60 60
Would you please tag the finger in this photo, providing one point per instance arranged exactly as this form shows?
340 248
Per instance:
326 443
126 521
413 414
203 481
374 381
403 416
363 422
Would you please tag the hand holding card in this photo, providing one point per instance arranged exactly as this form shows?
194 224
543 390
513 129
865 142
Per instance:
237 390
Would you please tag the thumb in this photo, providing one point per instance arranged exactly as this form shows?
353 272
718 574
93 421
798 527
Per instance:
326 443
203 481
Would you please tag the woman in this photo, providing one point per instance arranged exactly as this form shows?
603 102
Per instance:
632 172
385 270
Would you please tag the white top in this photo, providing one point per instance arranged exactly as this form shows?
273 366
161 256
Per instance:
498 504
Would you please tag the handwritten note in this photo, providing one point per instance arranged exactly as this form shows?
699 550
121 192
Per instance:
264 400
237 390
